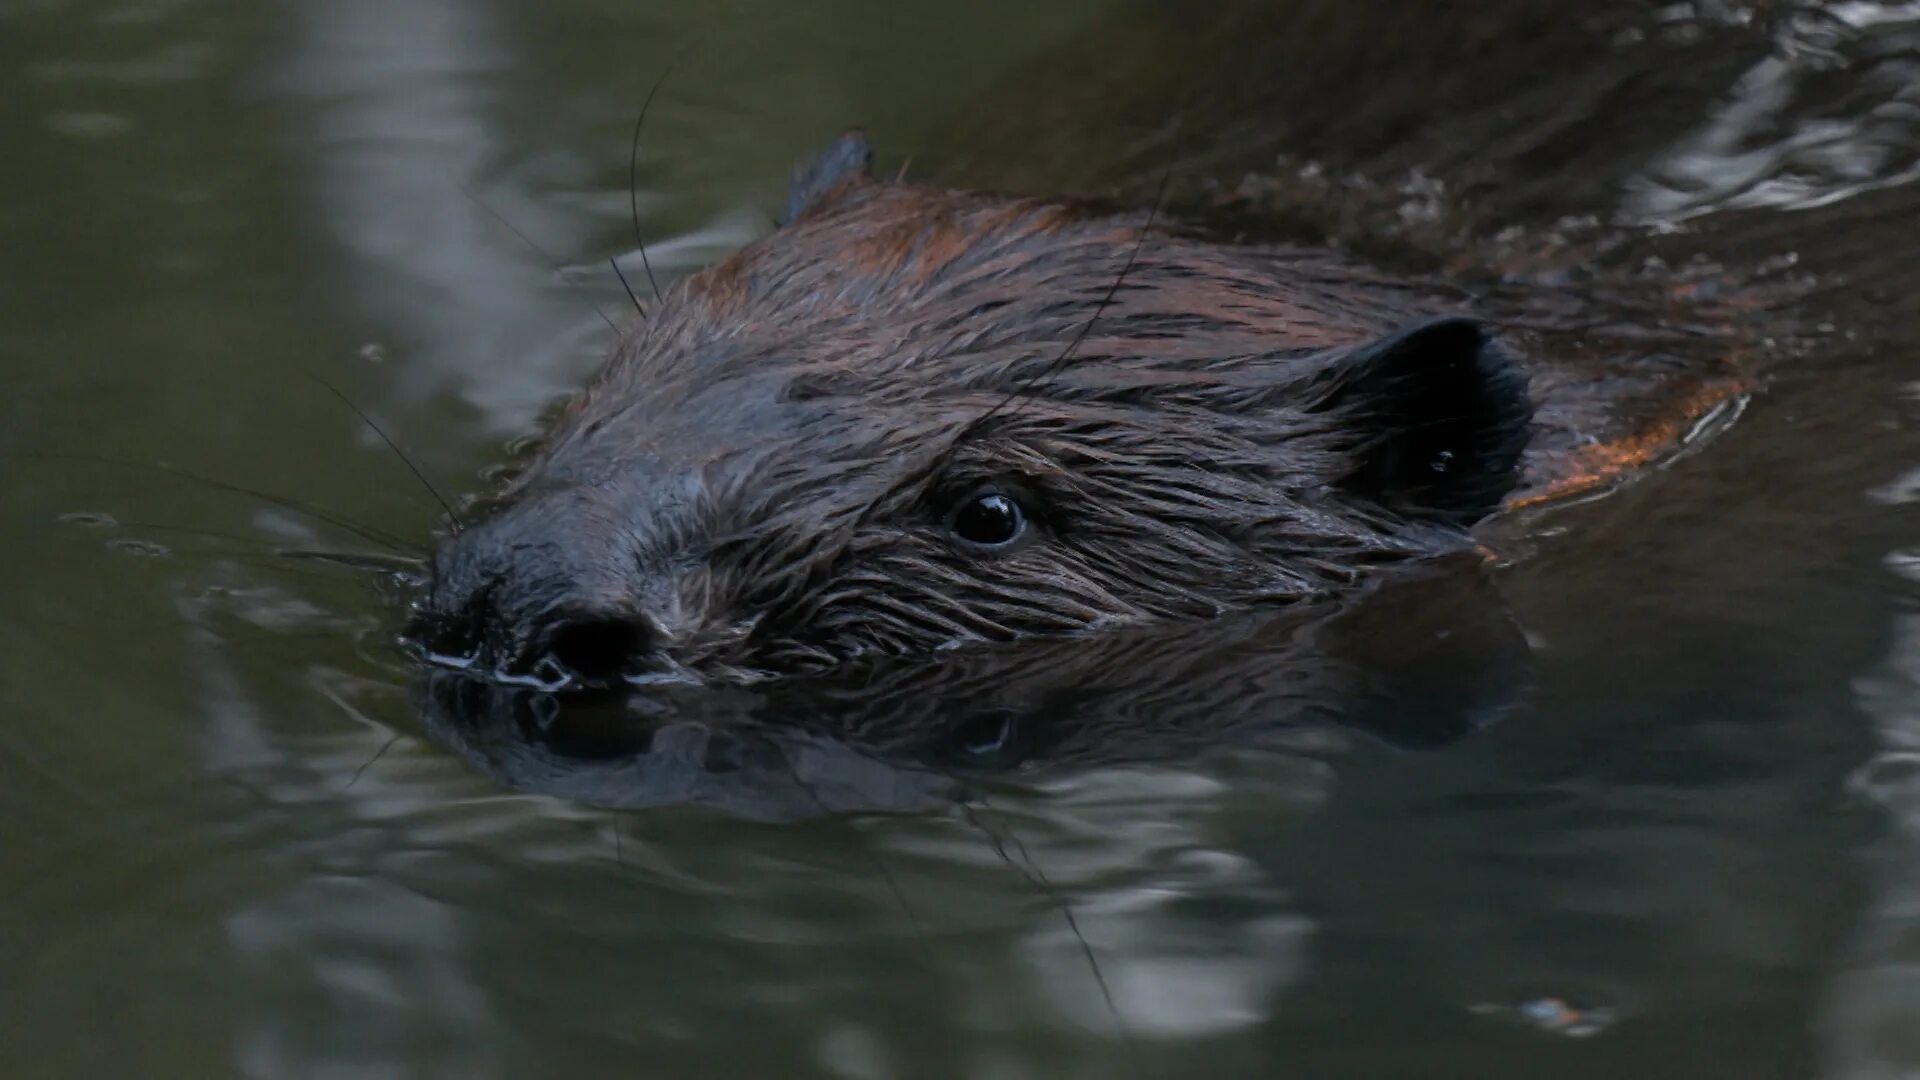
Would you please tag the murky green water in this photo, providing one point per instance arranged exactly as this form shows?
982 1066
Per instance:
229 850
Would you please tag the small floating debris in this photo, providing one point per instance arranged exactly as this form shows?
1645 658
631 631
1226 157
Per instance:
1554 1015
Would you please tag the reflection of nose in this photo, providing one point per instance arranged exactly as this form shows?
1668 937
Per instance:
590 646
536 592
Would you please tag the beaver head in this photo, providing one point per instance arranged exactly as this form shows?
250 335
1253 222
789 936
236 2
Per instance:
911 419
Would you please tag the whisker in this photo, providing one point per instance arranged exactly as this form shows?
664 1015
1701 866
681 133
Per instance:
395 447
633 179
886 872
269 557
377 755
558 268
187 530
388 564
1038 879
621 274
365 532
1053 368
279 569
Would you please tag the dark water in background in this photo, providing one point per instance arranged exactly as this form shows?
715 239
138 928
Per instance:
227 849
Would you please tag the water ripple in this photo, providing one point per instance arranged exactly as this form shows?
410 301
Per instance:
1791 137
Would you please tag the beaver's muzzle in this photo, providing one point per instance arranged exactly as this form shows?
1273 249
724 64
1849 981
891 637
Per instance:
547 592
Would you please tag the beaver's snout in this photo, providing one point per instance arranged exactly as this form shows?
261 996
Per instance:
523 597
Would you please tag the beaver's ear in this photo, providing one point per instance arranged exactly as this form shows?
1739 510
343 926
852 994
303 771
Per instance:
847 158
1441 416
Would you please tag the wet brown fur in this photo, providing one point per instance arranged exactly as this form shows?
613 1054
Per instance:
758 481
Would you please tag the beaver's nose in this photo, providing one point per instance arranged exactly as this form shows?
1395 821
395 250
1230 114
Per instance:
569 646
523 597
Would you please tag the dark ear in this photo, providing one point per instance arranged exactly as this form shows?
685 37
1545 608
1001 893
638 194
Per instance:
847 157
1441 417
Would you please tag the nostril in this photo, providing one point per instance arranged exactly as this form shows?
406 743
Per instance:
443 642
596 649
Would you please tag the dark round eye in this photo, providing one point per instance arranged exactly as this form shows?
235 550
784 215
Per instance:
989 520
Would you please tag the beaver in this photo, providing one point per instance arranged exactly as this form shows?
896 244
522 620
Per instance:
914 419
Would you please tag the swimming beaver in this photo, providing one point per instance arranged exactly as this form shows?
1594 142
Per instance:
912 419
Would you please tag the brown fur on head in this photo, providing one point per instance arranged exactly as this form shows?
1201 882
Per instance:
815 449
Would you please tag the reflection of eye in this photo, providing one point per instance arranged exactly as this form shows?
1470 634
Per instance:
982 735
989 520
994 740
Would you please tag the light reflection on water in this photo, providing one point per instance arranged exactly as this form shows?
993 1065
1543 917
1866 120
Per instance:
1868 1020
1775 143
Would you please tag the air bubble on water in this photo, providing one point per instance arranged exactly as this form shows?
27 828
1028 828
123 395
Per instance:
90 519
145 549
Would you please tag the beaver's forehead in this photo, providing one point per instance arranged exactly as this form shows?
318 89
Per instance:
905 314
676 421
903 293
952 286
714 434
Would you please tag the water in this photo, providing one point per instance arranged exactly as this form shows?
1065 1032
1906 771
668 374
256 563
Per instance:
231 848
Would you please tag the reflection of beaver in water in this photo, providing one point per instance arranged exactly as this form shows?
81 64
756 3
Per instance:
913 419
1415 662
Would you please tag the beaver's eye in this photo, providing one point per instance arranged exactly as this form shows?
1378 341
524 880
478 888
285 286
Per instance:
989 520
